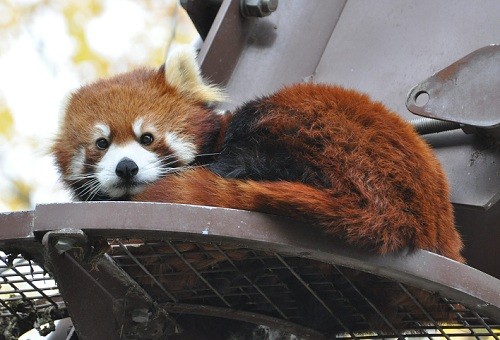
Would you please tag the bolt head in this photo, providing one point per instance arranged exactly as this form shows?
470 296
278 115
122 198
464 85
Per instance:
64 244
140 315
258 8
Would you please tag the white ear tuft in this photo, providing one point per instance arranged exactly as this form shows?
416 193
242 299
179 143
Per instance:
182 72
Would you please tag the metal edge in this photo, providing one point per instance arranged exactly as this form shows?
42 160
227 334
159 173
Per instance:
16 225
296 329
228 29
420 268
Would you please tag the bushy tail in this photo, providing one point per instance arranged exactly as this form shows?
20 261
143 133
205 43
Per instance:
340 215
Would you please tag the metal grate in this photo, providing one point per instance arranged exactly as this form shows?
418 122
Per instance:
29 298
327 298
216 280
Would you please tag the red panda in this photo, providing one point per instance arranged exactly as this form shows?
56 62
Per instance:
314 152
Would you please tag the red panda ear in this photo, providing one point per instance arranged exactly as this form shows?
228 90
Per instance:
182 72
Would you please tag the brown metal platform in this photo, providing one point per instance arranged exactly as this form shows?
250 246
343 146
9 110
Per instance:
237 265
150 271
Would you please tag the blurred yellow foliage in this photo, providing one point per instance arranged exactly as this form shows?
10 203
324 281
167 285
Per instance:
77 13
29 22
19 199
6 122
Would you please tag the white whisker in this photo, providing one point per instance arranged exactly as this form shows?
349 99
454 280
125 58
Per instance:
88 187
94 192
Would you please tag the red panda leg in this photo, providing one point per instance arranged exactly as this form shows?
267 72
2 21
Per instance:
337 216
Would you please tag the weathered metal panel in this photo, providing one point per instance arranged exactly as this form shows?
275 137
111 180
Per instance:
280 49
386 47
16 225
466 92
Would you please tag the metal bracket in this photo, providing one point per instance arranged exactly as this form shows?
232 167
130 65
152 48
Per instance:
467 93
203 12
80 264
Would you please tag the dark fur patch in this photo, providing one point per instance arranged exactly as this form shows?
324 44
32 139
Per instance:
250 151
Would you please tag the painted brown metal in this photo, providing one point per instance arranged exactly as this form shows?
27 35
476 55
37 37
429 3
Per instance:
273 236
271 233
16 225
101 298
228 29
90 314
277 50
385 48
382 48
277 323
468 92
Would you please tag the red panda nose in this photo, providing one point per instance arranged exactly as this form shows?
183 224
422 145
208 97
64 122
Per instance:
126 169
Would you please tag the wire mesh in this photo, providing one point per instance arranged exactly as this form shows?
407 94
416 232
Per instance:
334 300
29 297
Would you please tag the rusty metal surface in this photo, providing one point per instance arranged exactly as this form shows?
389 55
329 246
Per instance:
466 92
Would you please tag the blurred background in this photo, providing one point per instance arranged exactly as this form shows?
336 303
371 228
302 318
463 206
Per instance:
49 48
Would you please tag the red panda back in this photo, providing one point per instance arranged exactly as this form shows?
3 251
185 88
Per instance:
333 157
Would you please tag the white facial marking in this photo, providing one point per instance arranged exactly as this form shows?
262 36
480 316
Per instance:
102 130
183 148
147 162
137 127
140 128
76 165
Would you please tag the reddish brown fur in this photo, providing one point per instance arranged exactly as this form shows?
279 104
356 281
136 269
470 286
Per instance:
118 102
384 188
373 181
388 190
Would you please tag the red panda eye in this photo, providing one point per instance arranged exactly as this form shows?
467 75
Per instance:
146 139
102 143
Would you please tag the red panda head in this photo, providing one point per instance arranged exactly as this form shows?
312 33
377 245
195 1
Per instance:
120 134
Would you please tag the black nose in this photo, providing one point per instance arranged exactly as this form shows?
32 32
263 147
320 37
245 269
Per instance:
126 169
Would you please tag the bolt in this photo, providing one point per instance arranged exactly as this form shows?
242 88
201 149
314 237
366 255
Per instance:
257 8
64 244
140 315
425 126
